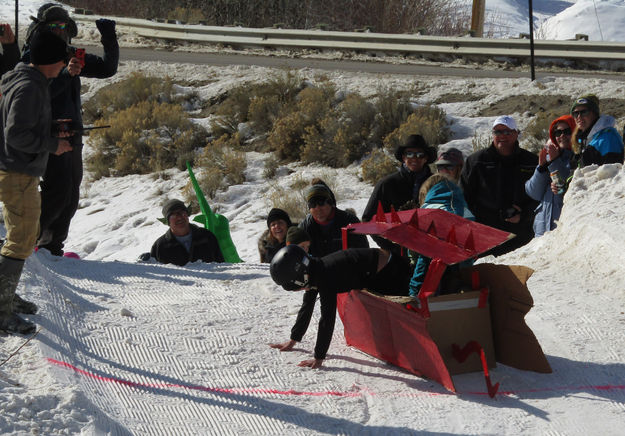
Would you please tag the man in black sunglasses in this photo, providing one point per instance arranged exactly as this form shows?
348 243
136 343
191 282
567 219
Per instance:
60 187
325 220
596 140
493 180
402 186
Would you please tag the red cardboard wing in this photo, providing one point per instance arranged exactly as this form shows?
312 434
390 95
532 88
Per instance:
434 233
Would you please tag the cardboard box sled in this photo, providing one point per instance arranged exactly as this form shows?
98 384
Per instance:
437 337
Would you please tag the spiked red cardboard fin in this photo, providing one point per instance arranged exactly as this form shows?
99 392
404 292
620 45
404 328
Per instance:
426 231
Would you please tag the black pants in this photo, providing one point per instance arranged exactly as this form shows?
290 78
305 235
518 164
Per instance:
60 192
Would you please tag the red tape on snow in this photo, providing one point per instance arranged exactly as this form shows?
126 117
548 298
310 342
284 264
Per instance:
415 393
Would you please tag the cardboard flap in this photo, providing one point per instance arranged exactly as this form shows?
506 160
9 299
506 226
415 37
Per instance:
434 233
510 299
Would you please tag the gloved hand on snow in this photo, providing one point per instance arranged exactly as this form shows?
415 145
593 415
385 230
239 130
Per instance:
106 28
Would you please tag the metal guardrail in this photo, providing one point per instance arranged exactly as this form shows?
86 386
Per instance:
372 42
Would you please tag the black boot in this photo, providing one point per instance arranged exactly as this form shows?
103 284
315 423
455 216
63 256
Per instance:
16 324
23 306
10 273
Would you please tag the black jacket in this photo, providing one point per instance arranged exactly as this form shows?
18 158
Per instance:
492 183
342 271
204 247
65 89
326 239
394 190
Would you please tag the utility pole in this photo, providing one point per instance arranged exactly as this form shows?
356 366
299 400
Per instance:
477 18
16 21
532 41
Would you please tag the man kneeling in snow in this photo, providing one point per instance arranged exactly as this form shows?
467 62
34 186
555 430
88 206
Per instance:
184 242
355 268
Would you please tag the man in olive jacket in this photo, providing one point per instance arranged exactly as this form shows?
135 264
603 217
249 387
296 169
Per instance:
184 242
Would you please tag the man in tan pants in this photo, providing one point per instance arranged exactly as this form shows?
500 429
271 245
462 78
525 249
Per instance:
26 141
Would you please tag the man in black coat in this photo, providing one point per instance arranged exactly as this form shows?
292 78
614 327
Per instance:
402 186
355 268
184 242
60 187
493 181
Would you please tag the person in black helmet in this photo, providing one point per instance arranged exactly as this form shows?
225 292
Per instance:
355 268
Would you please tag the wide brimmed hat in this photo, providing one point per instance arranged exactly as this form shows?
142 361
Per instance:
415 141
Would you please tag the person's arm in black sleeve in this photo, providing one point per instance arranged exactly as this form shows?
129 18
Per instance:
9 58
467 187
372 205
612 157
154 251
106 66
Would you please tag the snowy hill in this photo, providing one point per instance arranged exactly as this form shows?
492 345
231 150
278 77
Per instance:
148 349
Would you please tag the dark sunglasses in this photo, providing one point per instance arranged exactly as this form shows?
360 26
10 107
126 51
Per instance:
319 201
61 26
447 167
557 133
503 132
414 154
580 113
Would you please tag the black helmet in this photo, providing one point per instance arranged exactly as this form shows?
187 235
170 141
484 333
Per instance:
289 267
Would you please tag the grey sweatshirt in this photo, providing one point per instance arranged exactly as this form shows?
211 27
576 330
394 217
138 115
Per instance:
26 121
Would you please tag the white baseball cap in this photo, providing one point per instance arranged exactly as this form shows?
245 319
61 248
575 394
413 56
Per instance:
507 121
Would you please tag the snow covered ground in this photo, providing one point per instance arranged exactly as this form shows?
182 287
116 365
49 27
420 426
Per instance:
142 348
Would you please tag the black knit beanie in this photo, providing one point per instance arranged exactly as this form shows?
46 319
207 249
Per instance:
46 48
295 235
278 214
172 206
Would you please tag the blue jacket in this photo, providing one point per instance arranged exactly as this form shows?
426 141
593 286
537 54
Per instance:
603 144
539 188
445 195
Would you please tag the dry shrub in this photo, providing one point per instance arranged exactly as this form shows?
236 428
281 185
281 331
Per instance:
427 121
260 103
291 199
186 15
263 111
378 165
272 163
126 93
481 141
341 137
219 166
146 137
537 131
391 110
287 137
